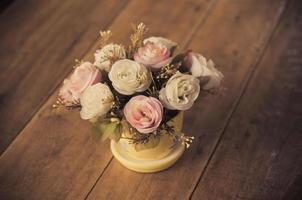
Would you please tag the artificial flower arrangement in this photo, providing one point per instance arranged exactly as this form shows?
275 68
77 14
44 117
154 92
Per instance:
133 92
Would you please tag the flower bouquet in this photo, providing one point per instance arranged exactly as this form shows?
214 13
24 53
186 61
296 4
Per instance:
135 95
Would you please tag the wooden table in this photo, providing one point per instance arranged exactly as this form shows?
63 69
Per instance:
248 138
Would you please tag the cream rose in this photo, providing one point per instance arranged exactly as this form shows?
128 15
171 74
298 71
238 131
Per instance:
96 101
83 76
110 50
128 77
180 92
160 40
201 68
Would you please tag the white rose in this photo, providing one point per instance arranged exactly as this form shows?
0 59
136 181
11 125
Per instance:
96 101
201 68
110 50
180 92
128 77
164 41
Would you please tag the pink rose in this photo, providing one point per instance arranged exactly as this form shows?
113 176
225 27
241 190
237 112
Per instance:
144 113
164 41
153 55
83 76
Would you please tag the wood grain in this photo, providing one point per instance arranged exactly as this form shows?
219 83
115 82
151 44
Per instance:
54 156
259 156
39 41
234 35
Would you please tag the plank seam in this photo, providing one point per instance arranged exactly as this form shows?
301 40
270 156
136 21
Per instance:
267 41
97 180
200 23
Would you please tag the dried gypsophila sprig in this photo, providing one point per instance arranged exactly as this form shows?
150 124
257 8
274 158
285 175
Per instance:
165 73
136 137
114 54
183 139
168 71
159 79
139 138
165 128
60 104
177 137
105 36
77 63
136 38
186 140
152 90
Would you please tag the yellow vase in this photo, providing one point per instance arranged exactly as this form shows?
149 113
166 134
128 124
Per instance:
164 155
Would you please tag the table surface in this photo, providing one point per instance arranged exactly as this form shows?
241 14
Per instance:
248 138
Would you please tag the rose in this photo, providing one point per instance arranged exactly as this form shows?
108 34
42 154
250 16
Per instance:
164 41
111 50
144 113
203 69
96 101
128 77
180 92
82 77
153 55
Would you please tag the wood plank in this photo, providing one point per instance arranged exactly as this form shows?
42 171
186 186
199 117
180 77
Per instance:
39 40
54 156
234 35
259 156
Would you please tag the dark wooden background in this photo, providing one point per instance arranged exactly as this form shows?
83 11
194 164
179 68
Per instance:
248 138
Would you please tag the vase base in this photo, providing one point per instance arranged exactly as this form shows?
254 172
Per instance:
145 166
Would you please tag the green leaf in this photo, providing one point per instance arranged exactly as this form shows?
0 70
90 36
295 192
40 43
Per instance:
106 129
96 134
152 143
117 132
